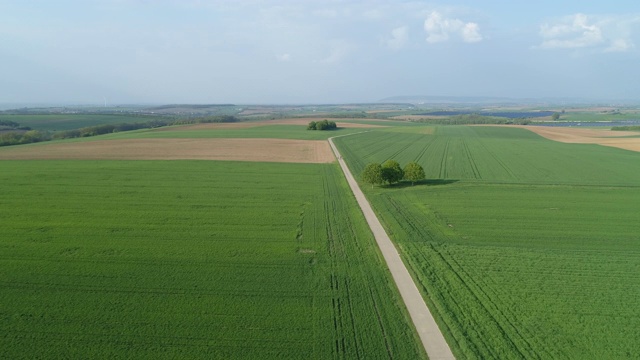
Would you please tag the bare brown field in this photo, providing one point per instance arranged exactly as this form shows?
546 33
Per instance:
618 139
269 150
244 125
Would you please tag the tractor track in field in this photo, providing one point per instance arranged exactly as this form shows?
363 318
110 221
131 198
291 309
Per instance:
430 335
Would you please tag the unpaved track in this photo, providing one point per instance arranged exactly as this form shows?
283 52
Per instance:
432 339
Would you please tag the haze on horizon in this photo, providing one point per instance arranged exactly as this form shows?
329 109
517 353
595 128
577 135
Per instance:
286 51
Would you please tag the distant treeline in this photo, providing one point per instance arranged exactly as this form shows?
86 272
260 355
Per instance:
354 115
11 125
626 128
21 136
470 119
190 106
504 114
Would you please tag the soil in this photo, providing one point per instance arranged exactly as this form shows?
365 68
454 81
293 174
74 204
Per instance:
619 139
269 150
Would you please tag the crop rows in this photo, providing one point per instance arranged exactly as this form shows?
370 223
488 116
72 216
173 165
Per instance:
191 259
544 266
493 154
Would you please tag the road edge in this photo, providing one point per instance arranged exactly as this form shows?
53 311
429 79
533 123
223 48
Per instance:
432 339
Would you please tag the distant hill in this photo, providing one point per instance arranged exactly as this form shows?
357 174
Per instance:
494 100
419 99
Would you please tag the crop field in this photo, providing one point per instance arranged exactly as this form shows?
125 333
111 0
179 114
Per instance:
298 132
341 123
629 140
495 154
271 150
191 259
505 114
592 116
58 122
524 247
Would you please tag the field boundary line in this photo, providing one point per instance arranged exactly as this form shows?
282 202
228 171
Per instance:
432 339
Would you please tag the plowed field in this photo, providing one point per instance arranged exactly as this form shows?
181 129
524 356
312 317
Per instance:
628 140
271 150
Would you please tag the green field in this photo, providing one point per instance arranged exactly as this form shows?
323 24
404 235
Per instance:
524 247
191 259
59 122
494 154
589 116
263 131
266 131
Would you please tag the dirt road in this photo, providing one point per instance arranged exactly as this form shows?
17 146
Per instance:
432 339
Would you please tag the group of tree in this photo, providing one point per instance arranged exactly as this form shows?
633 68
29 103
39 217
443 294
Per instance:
390 172
13 134
23 137
626 128
12 125
322 125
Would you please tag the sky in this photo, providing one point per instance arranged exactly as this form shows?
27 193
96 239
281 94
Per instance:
313 52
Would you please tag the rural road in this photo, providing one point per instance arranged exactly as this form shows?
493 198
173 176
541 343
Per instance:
432 339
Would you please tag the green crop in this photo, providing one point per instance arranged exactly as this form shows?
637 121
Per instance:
57 122
191 259
265 131
494 154
524 247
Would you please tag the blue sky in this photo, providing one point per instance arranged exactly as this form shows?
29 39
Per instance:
285 51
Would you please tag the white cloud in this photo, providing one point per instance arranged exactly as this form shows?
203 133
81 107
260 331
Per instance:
572 32
440 29
471 33
619 45
399 38
612 33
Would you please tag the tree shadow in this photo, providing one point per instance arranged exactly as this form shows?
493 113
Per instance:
426 182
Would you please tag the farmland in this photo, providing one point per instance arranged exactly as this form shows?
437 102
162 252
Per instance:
271 150
267 131
58 122
191 259
505 114
524 247
495 154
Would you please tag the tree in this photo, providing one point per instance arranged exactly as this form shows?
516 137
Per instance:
312 126
555 116
372 174
33 136
391 171
322 125
413 172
